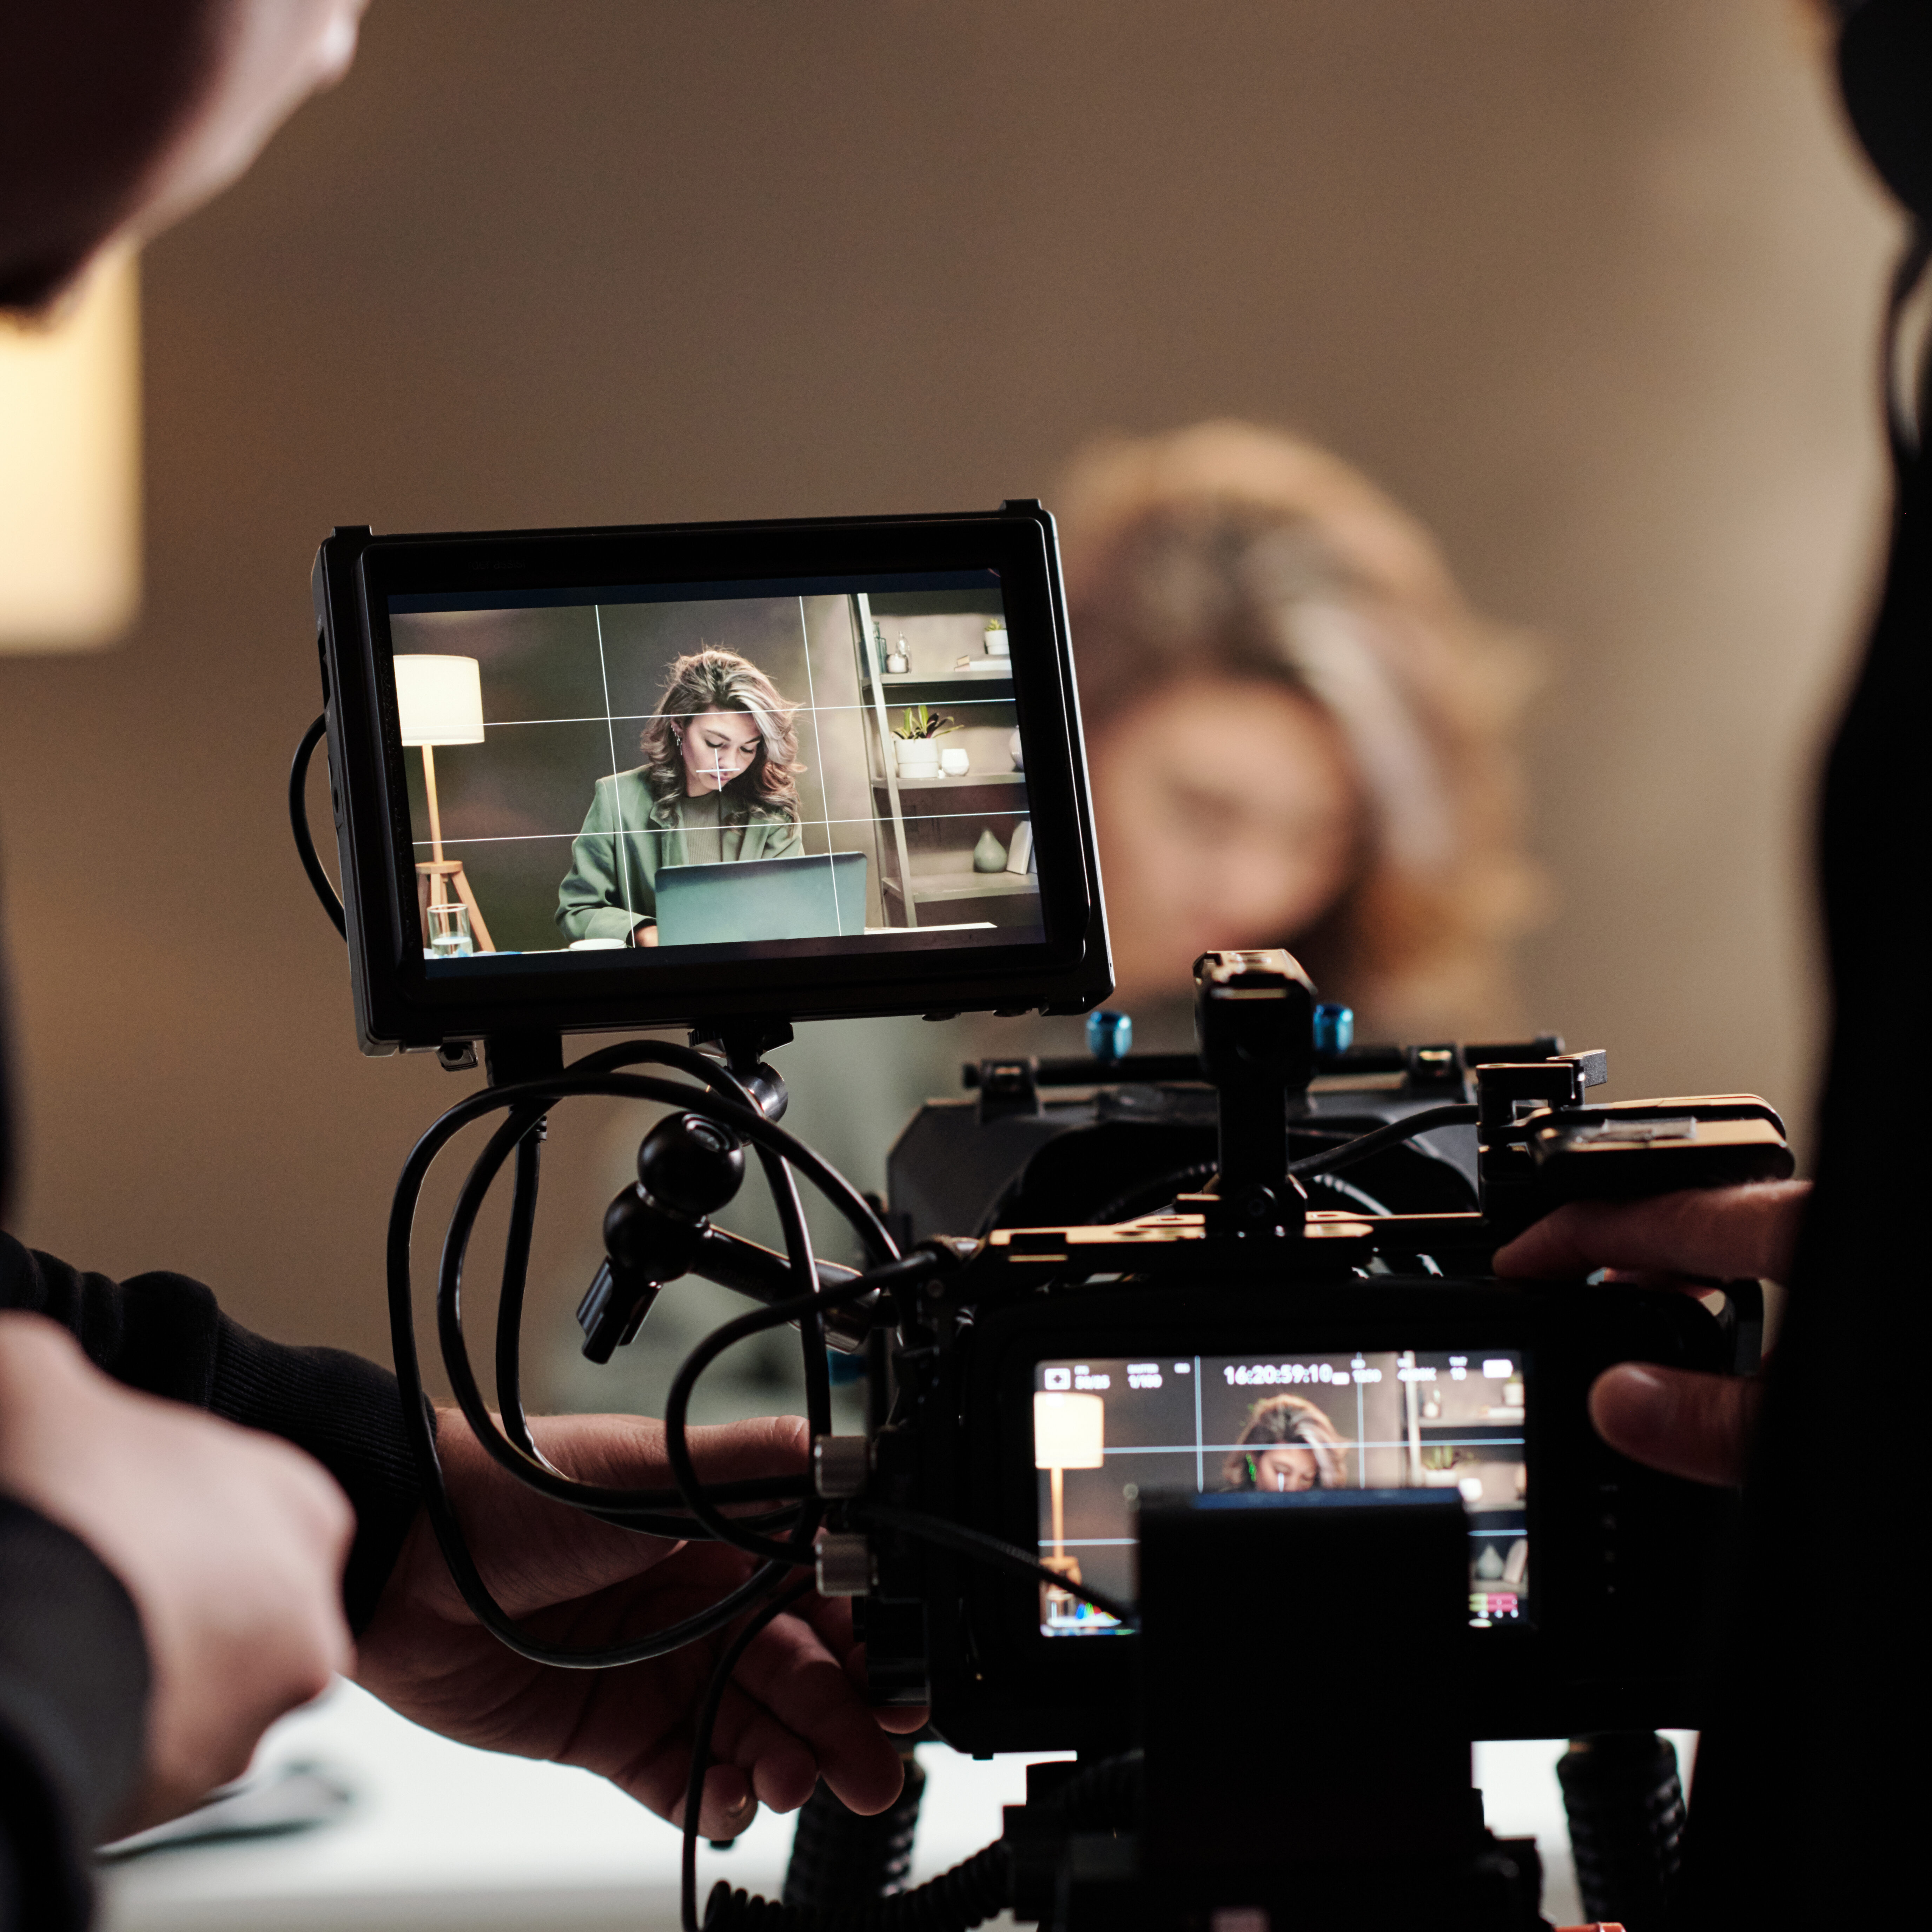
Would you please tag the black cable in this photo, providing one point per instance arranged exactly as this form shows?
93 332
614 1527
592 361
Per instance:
988 1550
705 1723
515 1423
536 1097
510 1300
913 1267
829 1182
1393 1135
325 886
530 1100
1103 1797
636 1506
805 1275
1150 1197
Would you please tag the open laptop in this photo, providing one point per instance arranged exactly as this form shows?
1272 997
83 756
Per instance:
819 897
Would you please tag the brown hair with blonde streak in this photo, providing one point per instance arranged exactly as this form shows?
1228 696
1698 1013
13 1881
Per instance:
715 680
1288 1422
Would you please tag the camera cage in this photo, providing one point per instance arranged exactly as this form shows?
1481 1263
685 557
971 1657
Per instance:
401 1003
915 1518
923 1518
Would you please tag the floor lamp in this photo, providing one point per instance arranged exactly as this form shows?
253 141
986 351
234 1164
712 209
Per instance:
439 701
1069 1432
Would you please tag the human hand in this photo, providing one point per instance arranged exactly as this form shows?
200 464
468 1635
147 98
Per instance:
795 1711
1676 1419
230 1543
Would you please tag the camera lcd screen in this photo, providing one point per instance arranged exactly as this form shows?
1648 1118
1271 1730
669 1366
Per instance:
1107 1432
675 773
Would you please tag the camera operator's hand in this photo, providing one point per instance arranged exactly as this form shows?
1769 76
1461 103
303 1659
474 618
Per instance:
230 1543
1689 1424
795 1711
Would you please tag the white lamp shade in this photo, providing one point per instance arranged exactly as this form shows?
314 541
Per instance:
440 700
1068 1431
70 469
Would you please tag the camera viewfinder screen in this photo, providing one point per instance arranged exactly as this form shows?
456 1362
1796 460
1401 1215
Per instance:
759 769
1106 1433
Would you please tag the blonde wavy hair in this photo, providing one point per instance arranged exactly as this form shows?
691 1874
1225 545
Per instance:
1229 551
715 680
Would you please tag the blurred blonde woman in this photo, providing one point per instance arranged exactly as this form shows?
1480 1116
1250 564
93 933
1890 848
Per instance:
1299 734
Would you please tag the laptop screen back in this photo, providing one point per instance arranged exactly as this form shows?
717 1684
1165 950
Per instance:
820 896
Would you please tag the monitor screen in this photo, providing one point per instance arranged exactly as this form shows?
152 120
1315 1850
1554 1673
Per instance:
1108 1432
671 773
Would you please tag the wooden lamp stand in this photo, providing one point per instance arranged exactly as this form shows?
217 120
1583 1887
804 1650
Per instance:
437 877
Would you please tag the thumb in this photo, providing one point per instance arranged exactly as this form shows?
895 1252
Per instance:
1677 1421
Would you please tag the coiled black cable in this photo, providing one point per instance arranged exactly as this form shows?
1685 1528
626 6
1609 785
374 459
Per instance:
703 1726
838 1856
977 1889
1624 1801
1105 1797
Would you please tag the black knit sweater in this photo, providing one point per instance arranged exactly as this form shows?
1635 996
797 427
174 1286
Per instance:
74 1669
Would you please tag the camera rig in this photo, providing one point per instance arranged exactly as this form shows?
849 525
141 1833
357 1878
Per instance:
1201 1440
930 1519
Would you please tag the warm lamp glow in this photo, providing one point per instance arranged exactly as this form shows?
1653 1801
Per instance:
70 469
440 700
1068 1431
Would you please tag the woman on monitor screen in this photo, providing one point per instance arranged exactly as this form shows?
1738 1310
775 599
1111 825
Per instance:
718 784
1288 1445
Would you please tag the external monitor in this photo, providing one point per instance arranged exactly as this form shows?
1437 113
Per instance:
598 779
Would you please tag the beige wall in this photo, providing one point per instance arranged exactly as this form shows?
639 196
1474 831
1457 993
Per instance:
1591 288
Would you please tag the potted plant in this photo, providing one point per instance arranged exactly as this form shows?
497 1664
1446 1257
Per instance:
915 742
997 644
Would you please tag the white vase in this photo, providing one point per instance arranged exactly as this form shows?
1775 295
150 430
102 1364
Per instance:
917 758
997 644
1016 751
954 762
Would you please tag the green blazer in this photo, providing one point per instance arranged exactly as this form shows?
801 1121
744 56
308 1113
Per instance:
628 834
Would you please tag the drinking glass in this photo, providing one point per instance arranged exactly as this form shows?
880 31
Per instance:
449 936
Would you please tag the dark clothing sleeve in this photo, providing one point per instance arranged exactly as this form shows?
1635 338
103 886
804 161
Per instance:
74 1686
163 1333
73 1666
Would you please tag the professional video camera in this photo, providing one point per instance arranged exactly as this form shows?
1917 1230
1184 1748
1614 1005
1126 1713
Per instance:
1201 1440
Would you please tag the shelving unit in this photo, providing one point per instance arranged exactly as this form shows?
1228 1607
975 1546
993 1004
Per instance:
935 823
968 782
937 888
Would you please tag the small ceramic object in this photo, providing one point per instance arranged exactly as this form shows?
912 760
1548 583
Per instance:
1016 750
917 758
989 855
954 762
997 644
897 662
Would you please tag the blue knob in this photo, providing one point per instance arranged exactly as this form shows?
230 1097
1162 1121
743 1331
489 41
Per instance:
1110 1036
1334 1030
